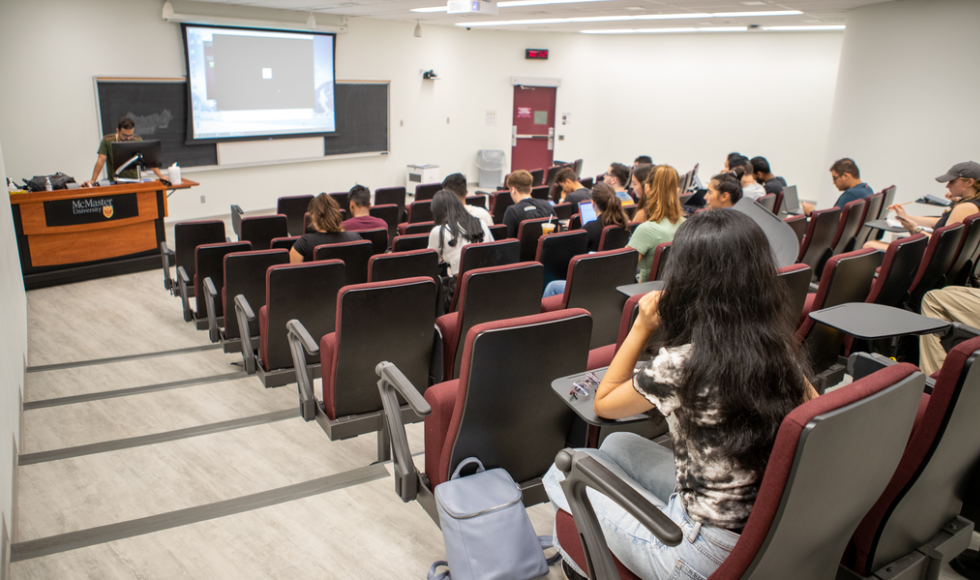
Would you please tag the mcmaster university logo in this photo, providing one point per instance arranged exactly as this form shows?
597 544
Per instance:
84 206
107 211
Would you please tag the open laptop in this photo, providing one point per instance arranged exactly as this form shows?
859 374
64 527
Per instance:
791 202
587 211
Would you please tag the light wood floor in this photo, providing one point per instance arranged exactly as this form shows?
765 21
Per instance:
90 513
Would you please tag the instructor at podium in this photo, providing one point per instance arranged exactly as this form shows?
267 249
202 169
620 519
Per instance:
125 131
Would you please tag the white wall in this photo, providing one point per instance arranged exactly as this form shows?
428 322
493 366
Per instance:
13 354
908 89
679 98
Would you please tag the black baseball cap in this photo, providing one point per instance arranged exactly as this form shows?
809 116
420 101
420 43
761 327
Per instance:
965 169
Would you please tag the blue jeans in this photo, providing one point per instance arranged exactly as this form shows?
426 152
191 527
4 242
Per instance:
554 288
650 470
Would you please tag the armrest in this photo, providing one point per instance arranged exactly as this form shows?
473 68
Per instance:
956 334
236 220
299 341
862 364
391 384
165 254
583 471
183 281
210 293
243 311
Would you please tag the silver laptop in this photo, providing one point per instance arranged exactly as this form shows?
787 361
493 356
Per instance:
791 202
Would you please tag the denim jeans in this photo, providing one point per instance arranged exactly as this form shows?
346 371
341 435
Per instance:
554 288
650 470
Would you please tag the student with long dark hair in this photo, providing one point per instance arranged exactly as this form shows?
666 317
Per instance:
724 189
328 225
610 213
725 371
455 228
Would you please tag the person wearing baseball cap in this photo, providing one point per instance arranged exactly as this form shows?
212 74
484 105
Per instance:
963 189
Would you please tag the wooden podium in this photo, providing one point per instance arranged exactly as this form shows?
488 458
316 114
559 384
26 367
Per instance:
71 235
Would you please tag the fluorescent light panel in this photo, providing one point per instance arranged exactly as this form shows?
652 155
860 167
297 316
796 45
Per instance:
512 3
802 28
626 18
666 30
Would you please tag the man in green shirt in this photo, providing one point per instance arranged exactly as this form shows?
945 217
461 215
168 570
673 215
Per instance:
125 131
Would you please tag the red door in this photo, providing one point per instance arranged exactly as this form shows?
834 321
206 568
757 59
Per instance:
533 138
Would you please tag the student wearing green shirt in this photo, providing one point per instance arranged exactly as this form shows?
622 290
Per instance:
664 216
125 131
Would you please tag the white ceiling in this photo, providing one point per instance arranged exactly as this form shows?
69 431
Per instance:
815 12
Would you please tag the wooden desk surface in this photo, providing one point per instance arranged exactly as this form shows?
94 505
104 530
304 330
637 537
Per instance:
83 192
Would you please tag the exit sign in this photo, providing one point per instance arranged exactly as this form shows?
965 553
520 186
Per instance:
536 53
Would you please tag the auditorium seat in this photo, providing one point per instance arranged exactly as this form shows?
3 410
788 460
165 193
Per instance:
354 255
592 281
420 211
888 200
406 243
378 238
236 220
389 213
501 410
966 256
659 264
848 227
587 183
555 251
426 191
187 237
798 224
808 504
391 195
613 238
409 229
342 199
386 316
501 201
797 278
871 212
919 510
209 263
294 208
540 192
245 275
768 201
485 255
307 292
477 200
778 205
816 244
537 177
847 278
398 265
528 233
936 262
261 230
564 211
602 356
498 231
487 294
283 243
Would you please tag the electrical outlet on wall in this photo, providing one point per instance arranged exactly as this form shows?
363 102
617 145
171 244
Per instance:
202 199
401 123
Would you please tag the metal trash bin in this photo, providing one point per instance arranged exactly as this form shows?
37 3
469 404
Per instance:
490 162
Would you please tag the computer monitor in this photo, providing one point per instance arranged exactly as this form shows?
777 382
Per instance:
791 201
587 212
147 154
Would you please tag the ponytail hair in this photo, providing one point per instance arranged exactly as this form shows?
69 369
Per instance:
610 207
730 183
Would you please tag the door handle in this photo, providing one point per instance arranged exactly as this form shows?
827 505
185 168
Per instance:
513 136
551 139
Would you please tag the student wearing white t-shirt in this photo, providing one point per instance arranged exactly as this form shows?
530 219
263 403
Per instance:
455 229
456 183
750 188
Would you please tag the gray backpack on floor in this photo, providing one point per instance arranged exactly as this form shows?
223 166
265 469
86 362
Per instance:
487 532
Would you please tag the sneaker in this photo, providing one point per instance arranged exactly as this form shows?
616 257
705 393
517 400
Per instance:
570 573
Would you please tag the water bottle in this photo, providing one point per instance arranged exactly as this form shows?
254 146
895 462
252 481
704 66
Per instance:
47 184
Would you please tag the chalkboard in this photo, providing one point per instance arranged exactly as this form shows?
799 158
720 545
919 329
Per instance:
159 107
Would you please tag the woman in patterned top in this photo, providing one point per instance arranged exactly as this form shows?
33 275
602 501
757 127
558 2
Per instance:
725 371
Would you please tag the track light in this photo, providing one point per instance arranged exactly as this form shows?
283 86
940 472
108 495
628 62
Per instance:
310 21
418 29
168 10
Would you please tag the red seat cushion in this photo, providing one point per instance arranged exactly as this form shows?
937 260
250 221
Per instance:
328 370
570 541
402 228
601 357
442 399
264 336
448 325
551 303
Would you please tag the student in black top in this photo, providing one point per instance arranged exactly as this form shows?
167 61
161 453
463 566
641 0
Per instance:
525 207
329 225
763 175
610 213
572 190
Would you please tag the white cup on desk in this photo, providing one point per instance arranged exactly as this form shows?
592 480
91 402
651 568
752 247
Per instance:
173 174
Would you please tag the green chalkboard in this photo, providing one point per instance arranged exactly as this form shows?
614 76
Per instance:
159 107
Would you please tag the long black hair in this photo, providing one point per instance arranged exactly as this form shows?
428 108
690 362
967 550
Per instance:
722 296
448 211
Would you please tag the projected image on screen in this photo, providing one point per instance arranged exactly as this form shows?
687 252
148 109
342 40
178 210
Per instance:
248 83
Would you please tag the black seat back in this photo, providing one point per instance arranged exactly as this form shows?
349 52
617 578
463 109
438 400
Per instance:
209 260
661 255
501 201
189 235
510 417
245 275
564 211
555 251
408 243
768 201
426 191
236 220
613 238
485 255
797 278
798 224
871 210
306 291
420 211
294 207
850 222
342 199
391 195
498 231
587 183
592 286
355 256
902 260
419 228
537 177
283 243
378 238
261 230
939 256
962 268
386 316
528 232
815 248
389 213
477 200
496 293
540 192
399 265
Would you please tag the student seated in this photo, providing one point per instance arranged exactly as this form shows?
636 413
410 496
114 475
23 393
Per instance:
749 186
962 188
764 175
359 200
329 225
525 207
456 183
665 215
455 228
572 190
642 160
618 177
638 191
847 178
724 397
724 190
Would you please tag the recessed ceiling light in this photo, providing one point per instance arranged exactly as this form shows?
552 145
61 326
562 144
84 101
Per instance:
633 8
753 3
513 3
625 18
802 28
